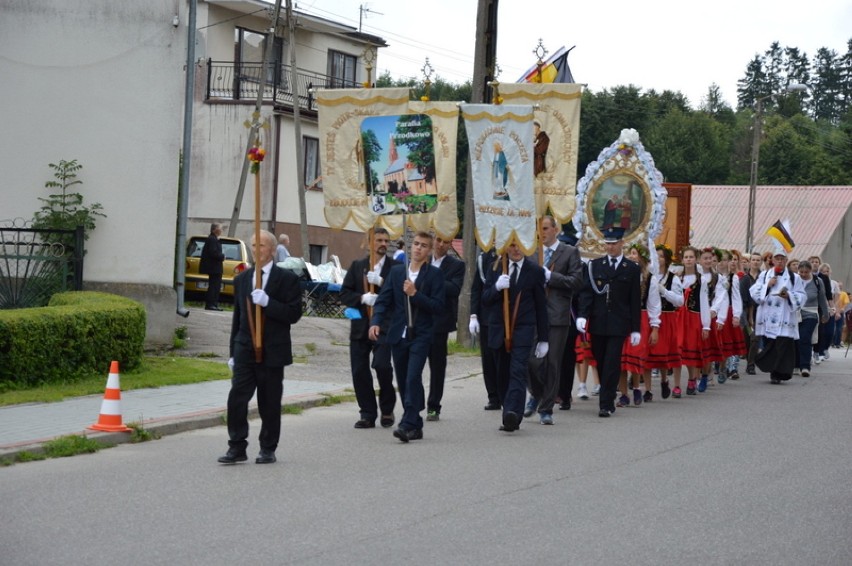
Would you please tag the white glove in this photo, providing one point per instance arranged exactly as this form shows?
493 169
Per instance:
581 325
474 324
546 275
259 297
374 278
503 282
369 299
541 349
635 338
231 364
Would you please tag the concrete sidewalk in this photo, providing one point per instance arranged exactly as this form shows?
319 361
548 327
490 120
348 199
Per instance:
320 348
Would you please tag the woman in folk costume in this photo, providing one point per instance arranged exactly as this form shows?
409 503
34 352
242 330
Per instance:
779 295
713 284
665 354
733 341
634 358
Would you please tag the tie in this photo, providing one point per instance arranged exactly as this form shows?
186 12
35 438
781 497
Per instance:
613 261
514 274
548 254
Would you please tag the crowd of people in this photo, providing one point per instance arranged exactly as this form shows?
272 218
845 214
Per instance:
625 319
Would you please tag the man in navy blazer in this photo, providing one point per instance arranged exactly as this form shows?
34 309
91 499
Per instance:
453 270
610 309
280 299
528 326
412 297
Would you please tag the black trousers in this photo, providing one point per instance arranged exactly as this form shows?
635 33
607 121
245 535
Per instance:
607 353
269 383
214 286
489 366
362 377
567 369
437 370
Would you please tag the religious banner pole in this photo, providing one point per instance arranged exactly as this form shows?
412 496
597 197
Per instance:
256 155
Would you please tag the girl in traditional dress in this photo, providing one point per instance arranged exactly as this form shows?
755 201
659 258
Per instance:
713 288
695 319
733 340
634 358
665 354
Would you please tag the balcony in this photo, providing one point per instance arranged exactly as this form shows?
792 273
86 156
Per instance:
230 81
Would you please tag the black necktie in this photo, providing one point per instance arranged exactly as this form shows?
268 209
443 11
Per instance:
613 262
514 274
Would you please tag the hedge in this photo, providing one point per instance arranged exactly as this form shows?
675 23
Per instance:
78 334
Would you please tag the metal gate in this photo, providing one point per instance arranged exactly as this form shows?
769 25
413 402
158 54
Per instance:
37 263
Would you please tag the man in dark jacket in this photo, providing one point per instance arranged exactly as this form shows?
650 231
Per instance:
279 297
360 288
211 263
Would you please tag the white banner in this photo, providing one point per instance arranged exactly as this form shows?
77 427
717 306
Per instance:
500 138
555 145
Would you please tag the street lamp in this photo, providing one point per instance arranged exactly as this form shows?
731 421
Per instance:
755 154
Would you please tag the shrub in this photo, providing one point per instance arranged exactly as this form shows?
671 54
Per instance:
76 335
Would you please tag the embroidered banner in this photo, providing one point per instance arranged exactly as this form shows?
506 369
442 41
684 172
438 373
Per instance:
501 161
555 145
343 169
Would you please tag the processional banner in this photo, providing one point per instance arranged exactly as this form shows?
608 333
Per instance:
501 160
555 142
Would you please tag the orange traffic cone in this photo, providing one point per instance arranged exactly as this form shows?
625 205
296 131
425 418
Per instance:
110 417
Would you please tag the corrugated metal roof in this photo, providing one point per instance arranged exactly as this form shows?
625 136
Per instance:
720 215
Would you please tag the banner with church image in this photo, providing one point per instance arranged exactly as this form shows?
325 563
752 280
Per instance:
501 158
555 144
344 173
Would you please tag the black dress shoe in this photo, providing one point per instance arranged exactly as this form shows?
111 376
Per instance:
492 406
212 309
511 420
387 421
364 423
565 406
232 456
605 413
406 435
265 457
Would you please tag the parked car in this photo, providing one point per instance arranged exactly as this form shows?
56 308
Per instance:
237 259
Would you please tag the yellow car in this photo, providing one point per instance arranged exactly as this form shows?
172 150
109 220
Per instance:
237 259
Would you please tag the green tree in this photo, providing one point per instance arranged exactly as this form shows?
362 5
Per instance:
64 209
690 147
785 156
372 150
827 86
421 152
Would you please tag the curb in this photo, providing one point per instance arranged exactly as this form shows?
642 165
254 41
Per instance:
165 426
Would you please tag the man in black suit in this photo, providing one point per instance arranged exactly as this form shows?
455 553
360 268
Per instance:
280 299
211 263
483 320
563 274
453 270
610 309
360 289
412 299
528 327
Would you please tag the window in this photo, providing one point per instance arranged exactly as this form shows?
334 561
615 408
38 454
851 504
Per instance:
341 69
248 55
317 254
310 149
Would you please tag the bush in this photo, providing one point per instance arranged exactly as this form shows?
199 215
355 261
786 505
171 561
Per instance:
78 334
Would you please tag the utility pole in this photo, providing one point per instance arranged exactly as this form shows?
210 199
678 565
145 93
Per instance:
484 61
297 132
255 122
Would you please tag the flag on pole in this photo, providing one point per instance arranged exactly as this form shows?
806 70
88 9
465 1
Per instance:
781 232
554 70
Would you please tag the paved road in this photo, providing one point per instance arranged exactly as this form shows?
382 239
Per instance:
746 473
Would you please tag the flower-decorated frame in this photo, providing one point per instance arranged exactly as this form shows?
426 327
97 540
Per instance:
622 189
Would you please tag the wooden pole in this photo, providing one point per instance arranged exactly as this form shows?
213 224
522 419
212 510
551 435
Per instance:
258 281
507 328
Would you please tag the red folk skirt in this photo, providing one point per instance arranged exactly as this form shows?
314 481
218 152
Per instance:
633 358
733 339
665 354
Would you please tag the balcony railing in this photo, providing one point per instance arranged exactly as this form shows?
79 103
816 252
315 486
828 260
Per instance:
227 80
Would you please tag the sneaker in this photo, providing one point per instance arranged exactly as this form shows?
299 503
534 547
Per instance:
676 393
655 373
637 397
806 373
596 390
532 405
826 355
582 392
546 419
664 387
702 384
433 416
750 369
623 401
734 375
817 359
690 387
797 371
722 377
648 397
